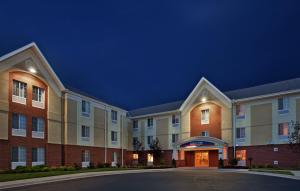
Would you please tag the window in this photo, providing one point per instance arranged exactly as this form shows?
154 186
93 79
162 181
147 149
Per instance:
241 155
19 89
283 129
135 124
283 105
149 157
18 154
150 122
240 111
19 124
135 141
38 155
135 156
114 116
85 156
37 94
38 124
175 119
149 140
240 133
85 133
205 116
38 127
85 108
115 157
175 138
114 136
204 133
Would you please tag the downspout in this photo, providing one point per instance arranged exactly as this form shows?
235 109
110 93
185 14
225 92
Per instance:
105 136
122 120
234 127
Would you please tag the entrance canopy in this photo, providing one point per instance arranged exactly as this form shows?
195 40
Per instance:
201 143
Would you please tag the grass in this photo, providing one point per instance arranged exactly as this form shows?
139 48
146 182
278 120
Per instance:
275 171
4 177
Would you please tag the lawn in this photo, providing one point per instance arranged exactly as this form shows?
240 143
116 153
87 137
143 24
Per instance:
19 176
275 171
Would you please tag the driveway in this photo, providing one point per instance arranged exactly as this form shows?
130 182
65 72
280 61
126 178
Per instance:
181 180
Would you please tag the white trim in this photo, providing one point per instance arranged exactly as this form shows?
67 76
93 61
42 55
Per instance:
38 134
14 165
18 132
204 80
154 114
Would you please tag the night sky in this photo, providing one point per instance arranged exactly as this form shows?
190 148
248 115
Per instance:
140 53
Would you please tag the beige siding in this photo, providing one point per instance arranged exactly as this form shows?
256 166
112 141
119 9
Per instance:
298 110
99 125
261 124
226 129
71 123
54 117
129 130
162 132
143 133
4 78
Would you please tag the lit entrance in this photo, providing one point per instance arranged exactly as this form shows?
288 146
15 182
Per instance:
201 159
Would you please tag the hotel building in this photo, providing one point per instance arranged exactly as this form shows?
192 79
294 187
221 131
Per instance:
43 122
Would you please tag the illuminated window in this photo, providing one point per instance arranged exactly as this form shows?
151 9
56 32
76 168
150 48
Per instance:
38 94
204 134
241 154
135 156
225 153
240 111
205 116
283 129
19 89
150 157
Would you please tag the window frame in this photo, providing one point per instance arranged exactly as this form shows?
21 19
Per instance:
205 113
150 122
175 138
114 116
85 133
284 125
114 136
149 140
85 108
240 133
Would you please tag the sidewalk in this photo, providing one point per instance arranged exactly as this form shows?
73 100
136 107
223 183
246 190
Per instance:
295 177
35 181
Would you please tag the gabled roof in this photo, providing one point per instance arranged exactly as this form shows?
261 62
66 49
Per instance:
162 108
265 89
40 55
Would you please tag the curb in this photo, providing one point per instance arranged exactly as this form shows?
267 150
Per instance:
59 178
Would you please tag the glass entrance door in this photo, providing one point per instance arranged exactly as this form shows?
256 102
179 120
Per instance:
201 159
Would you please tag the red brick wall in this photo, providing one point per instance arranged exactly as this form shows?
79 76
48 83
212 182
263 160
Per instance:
214 126
213 157
265 155
4 155
54 155
189 157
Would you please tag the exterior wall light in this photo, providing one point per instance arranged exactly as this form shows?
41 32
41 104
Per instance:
204 99
32 70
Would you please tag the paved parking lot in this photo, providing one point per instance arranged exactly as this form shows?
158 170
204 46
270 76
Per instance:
175 180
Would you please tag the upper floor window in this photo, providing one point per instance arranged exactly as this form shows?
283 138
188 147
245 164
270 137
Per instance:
85 108
149 140
38 127
114 116
38 94
175 119
205 116
135 141
204 134
240 133
283 129
85 133
114 136
135 124
240 111
19 89
19 123
150 122
175 138
283 105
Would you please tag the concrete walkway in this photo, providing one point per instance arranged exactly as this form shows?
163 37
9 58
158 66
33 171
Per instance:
49 179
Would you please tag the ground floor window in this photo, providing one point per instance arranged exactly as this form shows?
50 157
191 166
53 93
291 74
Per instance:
38 155
18 154
135 156
86 156
115 157
241 157
150 157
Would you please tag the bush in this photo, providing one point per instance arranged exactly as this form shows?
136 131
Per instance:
77 166
91 166
107 165
270 166
221 163
118 165
260 166
233 162
100 165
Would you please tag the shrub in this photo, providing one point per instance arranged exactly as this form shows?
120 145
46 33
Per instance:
100 165
70 168
260 166
91 166
233 162
107 165
77 166
270 166
118 165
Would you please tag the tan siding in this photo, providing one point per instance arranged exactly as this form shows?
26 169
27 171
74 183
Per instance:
298 110
99 127
71 133
226 129
4 79
162 132
143 133
129 130
261 124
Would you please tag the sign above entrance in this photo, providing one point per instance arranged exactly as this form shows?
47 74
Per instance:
196 143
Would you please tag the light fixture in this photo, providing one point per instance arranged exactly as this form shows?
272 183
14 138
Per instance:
32 70
204 99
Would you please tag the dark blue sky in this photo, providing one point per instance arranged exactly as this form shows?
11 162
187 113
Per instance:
141 53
